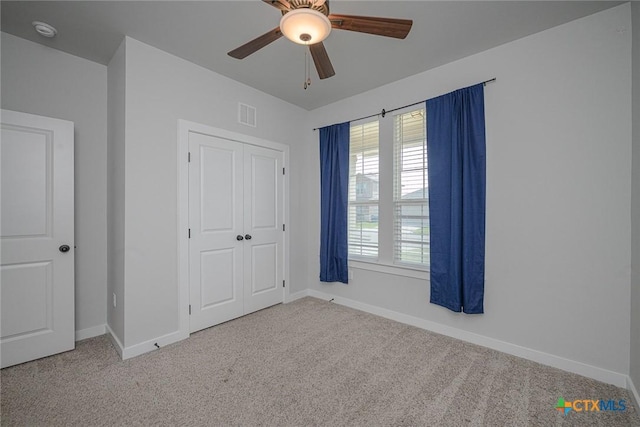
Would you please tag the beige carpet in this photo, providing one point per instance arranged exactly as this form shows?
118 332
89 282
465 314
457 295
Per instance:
310 362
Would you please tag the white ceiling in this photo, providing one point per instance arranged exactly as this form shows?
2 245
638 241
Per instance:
204 31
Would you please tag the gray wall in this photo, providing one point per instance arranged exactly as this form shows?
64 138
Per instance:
635 204
116 180
47 82
558 183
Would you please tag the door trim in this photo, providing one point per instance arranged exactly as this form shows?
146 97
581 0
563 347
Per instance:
184 128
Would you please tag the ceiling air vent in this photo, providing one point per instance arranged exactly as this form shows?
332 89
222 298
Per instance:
247 114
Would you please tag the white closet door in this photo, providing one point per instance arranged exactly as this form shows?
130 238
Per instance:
37 272
215 220
236 249
263 219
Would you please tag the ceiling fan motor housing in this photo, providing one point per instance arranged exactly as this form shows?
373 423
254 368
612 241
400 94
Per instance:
322 7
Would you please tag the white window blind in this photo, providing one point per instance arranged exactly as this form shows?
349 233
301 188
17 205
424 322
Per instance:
364 190
410 195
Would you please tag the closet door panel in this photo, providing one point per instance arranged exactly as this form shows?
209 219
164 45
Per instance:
263 220
215 220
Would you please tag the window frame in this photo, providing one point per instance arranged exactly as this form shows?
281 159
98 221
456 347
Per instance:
368 203
384 263
397 202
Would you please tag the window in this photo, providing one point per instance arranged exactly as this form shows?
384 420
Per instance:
364 190
410 190
388 192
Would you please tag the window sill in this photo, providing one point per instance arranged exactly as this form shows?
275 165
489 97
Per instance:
394 270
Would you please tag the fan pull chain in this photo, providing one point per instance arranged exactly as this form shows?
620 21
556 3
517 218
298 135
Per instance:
307 69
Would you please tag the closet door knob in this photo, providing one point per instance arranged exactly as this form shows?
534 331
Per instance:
247 236
239 237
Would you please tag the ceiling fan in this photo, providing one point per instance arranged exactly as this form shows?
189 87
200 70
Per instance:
308 22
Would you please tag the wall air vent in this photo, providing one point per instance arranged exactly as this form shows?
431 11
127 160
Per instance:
247 114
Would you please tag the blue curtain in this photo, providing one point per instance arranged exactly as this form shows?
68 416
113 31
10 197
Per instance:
456 166
334 198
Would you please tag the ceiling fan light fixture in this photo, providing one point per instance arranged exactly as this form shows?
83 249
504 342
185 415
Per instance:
305 26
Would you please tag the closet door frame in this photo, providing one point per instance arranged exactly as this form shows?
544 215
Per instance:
184 129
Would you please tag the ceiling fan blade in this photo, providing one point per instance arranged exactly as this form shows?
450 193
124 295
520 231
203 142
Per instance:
279 4
322 61
388 27
256 44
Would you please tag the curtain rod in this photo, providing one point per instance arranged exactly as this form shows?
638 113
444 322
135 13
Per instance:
384 112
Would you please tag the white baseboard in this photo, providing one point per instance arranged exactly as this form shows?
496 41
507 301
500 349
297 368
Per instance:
147 346
144 347
296 295
95 331
634 393
114 339
573 366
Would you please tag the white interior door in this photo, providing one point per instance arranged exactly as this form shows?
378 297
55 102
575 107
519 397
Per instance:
215 221
37 235
235 225
263 219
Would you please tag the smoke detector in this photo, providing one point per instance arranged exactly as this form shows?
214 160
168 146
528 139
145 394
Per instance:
44 29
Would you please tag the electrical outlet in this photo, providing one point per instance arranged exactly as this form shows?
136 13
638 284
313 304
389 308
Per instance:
114 299
350 274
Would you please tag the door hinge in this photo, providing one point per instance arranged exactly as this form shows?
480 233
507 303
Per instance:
189 233
283 227
282 171
189 157
189 309
283 283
